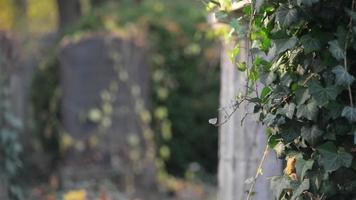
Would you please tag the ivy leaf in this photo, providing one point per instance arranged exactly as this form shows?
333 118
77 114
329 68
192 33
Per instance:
306 2
336 50
268 78
302 166
237 27
349 113
342 76
332 158
309 111
269 119
305 185
310 44
288 110
334 109
311 134
290 131
285 44
241 66
286 15
279 184
323 95
301 96
266 91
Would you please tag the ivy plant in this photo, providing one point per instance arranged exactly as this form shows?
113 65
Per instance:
303 52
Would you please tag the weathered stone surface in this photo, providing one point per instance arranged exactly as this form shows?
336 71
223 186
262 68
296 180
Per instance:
241 145
104 84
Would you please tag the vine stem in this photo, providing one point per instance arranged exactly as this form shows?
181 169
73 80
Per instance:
345 51
249 53
258 172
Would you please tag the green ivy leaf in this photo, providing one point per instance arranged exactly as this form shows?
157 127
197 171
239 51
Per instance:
290 131
285 44
288 110
310 44
268 78
306 2
342 77
334 109
302 166
336 50
312 134
309 110
286 15
301 96
323 95
279 184
238 28
332 158
269 119
241 66
305 185
349 113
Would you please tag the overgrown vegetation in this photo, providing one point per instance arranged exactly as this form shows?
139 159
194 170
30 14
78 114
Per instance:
185 79
303 53
10 127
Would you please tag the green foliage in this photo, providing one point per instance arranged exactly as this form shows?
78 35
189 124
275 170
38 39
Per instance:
10 146
308 99
185 78
44 98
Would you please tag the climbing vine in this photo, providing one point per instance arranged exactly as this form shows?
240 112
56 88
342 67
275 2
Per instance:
302 51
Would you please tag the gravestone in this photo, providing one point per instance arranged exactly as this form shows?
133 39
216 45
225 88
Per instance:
104 83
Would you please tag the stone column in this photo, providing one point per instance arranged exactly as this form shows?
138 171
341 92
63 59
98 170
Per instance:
241 145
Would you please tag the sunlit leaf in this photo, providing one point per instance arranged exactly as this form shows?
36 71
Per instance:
342 77
336 50
349 113
311 134
309 110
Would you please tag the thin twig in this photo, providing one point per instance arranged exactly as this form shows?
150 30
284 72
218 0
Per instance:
249 53
345 51
258 171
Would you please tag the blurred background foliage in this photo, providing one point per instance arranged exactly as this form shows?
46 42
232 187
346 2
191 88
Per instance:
183 56
40 16
185 81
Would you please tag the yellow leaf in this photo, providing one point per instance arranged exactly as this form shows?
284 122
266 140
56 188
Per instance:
75 195
290 168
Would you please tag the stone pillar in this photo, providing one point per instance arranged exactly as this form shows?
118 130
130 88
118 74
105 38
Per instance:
241 145
105 91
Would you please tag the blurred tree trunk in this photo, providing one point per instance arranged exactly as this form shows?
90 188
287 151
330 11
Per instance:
69 12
